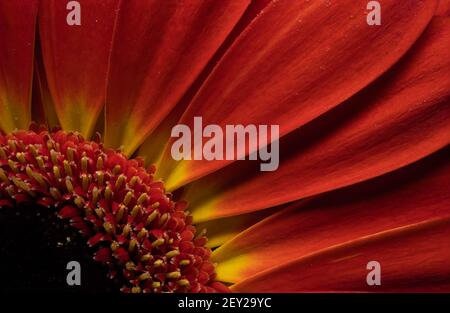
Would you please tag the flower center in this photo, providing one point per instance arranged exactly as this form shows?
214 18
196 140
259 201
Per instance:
144 237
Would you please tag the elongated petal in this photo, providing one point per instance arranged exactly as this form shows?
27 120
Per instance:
296 61
413 258
76 58
160 47
157 141
17 29
43 107
399 120
222 230
409 196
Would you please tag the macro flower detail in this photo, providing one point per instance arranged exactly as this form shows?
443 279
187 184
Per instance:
361 112
138 231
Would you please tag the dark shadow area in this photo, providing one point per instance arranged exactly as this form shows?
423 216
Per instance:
35 247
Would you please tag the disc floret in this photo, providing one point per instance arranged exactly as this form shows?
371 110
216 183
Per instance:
136 229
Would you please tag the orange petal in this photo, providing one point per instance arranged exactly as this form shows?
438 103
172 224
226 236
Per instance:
17 29
159 49
297 60
43 107
413 258
400 119
409 196
222 230
157 141
76 59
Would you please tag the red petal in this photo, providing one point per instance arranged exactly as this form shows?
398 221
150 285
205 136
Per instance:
443 8
412 258
410 196
155 144
76 59
221 230
160 47
399 120
296 61
43 109
17 29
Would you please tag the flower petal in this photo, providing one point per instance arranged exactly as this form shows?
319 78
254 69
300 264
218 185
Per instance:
443 8
43 107
411 258
221 230
76 59
409 196
17 30
297 60
400 119
160 47
157 141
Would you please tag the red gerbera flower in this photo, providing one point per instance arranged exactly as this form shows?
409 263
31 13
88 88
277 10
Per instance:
363 113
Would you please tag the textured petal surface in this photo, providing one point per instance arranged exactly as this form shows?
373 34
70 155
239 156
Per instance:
155 144
160 48
413 258
43 107
222 230
297 60
17 32
398 120
76 59
410 196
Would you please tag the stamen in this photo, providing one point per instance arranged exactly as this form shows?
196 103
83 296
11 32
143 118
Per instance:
144 276
172 253
142 198
21 157
95 195
132 230
12 145
67 168
120 212
12 166
132 245
127 198
158 263
158 242
54 157
56 172
119 182
69 185
183 282
108 194
145 258
185 262
156 284
173 275
151 217
33 150
133 181
40 163
99 163
3 176
100 177
84 182
70 153
126 230
108 227
136 210
2 154
84 164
